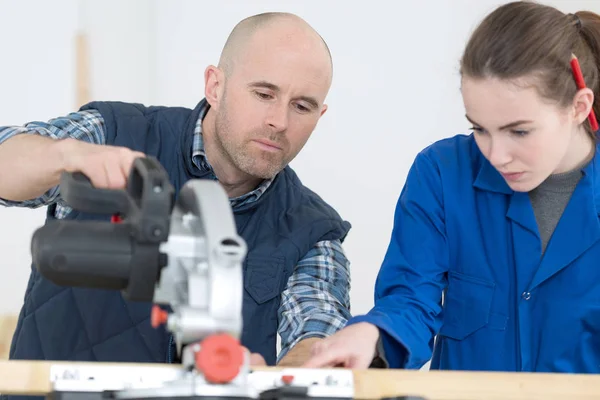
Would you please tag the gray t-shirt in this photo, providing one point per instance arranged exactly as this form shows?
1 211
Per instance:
550 199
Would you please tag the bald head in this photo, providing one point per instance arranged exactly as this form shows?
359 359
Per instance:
266 96
272 26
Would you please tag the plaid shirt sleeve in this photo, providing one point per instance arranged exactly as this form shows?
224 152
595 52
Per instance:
84 125
316 301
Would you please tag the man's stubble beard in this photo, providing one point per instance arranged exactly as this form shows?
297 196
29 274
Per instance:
240 156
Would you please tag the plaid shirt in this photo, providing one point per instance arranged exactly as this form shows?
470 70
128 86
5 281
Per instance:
316 301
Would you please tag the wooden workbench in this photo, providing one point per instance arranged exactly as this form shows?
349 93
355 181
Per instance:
27 377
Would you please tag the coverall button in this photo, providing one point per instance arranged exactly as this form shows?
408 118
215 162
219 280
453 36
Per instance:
526 295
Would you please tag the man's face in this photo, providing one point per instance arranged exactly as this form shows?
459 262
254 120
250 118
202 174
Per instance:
271 103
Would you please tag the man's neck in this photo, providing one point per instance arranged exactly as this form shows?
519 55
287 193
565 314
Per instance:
235 182
234 185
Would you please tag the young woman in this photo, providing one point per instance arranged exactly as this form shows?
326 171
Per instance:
495 251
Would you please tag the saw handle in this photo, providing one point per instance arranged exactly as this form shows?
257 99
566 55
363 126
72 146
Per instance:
77 191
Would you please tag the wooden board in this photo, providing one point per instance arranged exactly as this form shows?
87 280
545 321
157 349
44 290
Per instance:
82 70
31 377
7 328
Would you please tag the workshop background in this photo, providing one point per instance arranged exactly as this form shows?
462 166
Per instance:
395 90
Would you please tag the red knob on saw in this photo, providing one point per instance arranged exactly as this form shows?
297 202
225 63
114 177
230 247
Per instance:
220 358
158 316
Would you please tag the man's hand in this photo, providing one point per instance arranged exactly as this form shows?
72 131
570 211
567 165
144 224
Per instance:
107 167
352 347
31 164
256 360
294 358
299 354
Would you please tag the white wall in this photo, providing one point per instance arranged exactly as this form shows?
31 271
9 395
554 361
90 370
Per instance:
37 82
379 115
395 90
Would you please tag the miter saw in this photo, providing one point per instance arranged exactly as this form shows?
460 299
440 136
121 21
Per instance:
182 252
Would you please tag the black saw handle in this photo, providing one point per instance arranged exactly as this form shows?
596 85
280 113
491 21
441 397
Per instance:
77 190
99 254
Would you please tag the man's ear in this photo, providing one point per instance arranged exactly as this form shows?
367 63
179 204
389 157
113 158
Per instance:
323 110
213 85
582 105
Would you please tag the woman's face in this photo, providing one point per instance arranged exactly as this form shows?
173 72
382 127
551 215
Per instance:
524 137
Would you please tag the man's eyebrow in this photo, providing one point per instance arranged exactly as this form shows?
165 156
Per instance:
266 85
271 86
503 127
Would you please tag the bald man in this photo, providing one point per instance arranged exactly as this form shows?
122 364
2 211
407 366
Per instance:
260 106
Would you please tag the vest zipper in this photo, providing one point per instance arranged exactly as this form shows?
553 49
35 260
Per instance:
170 350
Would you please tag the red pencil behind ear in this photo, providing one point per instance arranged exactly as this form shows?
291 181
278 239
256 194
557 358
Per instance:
581 85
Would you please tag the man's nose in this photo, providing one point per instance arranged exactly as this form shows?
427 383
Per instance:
278 117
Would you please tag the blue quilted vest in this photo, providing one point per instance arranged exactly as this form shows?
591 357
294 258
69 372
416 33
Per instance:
59 323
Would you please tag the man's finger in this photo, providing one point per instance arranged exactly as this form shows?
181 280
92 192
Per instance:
326 358
257 360
318 347
114 176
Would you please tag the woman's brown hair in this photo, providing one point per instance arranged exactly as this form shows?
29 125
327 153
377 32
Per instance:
528 39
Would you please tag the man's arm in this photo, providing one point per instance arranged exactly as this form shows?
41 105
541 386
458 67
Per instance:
31 156
315 303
